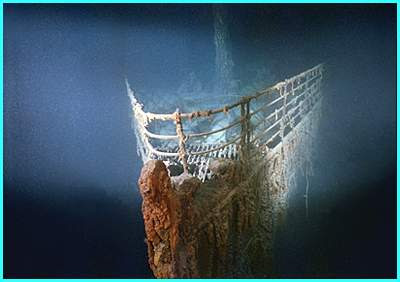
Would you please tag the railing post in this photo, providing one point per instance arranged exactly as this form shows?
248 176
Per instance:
182 141
245 131
248 129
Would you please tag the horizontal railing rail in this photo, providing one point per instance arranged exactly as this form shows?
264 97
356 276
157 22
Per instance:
293 98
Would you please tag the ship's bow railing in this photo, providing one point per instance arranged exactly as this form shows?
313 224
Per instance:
265 119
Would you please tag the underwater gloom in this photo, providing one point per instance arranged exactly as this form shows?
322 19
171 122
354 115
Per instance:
199 141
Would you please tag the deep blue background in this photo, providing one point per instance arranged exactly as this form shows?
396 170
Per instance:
71 205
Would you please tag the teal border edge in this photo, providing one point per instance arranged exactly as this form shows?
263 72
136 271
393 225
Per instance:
193 1
208 1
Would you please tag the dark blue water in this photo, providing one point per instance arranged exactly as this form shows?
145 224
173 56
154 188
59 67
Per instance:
71 205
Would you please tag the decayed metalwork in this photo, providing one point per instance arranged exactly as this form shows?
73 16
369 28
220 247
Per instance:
219 215
287 101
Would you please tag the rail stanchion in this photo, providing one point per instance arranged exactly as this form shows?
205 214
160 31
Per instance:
182 141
